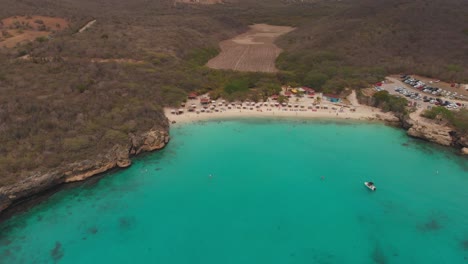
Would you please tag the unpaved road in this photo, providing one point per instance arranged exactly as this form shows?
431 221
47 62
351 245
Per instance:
85 27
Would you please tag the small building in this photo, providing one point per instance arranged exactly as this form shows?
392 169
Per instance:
274 97
332 98
205 100
308 90
287 94
192 96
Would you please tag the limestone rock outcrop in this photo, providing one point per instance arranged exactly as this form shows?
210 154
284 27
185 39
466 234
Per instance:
434 133
464 151
118 156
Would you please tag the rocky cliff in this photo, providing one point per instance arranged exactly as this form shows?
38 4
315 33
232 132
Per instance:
425 129
118 156
431 131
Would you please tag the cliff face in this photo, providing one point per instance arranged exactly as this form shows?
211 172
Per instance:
118 156
422 128
436 134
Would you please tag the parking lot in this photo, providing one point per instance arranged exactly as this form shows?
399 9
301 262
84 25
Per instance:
422 95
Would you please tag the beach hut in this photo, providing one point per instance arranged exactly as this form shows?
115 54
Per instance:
173 111
332 98
181 111
205 100
308 90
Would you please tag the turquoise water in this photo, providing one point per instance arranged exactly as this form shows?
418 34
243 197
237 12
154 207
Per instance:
265 201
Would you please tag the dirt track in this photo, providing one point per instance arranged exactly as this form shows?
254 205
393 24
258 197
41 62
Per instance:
252 51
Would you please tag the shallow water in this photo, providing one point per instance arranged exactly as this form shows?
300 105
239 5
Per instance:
265 201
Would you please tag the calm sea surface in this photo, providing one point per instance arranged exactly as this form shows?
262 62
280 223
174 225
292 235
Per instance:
260 191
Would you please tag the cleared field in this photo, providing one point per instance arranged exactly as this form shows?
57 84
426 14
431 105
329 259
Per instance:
252 51
20 29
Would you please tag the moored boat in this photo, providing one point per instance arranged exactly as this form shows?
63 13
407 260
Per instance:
370 185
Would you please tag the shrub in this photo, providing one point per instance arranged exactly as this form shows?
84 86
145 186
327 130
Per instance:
315 79
236 87
76 143
388 102
438 111
41 39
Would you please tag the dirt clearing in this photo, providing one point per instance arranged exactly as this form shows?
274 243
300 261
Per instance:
20 29
253 51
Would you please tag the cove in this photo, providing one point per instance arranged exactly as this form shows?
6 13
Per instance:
260 191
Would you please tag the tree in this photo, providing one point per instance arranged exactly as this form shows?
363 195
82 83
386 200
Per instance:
236 86
282 99
318 99
315 79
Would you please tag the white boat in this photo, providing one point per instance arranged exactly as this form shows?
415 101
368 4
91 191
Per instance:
370 185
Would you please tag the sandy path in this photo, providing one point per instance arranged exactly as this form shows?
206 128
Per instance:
353 99
85 27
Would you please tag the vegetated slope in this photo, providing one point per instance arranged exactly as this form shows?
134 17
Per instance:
385 36
57 111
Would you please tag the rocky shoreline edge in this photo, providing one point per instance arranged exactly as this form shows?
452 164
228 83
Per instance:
120 157
117 157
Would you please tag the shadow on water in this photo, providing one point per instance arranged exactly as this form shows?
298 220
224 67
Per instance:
433 223
378 255
314 255
126 222
57 252
92 230
430 148
464 244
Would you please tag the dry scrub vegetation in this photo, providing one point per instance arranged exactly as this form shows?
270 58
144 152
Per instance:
55 111
19 29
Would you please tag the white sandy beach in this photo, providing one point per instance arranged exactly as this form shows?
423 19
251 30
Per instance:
300 110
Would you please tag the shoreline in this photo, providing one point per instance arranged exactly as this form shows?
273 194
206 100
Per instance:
362 113
35 194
